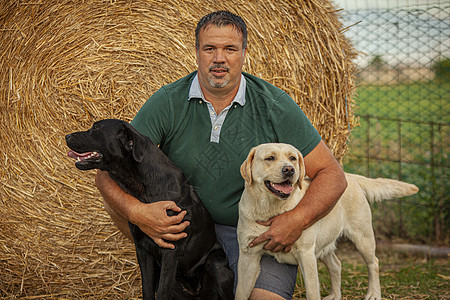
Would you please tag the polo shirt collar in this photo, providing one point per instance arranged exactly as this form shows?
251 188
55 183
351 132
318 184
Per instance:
195 91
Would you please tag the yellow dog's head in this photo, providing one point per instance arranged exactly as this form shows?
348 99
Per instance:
279 167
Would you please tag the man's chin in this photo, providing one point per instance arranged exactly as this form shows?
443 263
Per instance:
218 83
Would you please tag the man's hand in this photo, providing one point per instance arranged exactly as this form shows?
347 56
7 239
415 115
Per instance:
153 220
284 231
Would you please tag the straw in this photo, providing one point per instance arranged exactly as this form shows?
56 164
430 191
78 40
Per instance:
65 64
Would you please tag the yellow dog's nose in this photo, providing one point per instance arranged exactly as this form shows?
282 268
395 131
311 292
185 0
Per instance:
288 170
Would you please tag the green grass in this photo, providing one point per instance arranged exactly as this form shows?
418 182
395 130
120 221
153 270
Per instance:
407 137
424 111
401 277
424 102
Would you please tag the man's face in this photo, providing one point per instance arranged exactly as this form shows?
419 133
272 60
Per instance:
220 58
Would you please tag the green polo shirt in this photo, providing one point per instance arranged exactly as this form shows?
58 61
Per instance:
183 129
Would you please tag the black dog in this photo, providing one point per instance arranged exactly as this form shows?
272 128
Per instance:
197 268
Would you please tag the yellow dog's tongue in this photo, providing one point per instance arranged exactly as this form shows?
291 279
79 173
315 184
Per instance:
284 187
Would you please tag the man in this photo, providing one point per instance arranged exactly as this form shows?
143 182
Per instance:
206 123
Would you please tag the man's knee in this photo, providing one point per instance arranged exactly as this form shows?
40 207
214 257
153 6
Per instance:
260 294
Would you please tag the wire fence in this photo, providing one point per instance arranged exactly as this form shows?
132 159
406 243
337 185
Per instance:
403 97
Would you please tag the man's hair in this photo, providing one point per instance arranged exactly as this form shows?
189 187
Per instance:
220 19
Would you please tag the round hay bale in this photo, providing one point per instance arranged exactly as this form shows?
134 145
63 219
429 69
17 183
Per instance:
65 64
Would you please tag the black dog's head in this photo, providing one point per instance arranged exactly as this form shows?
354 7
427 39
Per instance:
107 141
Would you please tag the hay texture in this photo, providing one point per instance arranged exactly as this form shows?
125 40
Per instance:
65 64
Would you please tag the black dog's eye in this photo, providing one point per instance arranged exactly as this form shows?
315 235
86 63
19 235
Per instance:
270 158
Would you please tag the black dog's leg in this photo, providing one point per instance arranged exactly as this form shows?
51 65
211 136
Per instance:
169 264
147 263
148 267
218 278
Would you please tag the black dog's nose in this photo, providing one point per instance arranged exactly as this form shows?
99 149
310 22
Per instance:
68 136
288 170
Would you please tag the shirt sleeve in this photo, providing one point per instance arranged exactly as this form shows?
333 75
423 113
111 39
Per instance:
292 126
153 117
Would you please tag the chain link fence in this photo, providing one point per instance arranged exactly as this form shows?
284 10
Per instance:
403 100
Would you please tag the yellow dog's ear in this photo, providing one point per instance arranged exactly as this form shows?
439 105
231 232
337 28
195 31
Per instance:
301 168
246 167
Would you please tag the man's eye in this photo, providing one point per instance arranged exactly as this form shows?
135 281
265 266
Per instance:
270 158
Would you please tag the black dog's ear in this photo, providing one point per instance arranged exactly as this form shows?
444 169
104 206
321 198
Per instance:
135 143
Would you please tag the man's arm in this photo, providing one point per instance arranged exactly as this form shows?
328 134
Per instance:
151 218
327 185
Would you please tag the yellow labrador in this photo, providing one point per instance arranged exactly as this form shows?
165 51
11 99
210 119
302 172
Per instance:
274 183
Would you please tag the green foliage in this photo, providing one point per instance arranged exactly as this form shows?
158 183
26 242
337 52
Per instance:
377 62
442 69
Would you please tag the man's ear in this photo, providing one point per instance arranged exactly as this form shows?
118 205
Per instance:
246 167
301 168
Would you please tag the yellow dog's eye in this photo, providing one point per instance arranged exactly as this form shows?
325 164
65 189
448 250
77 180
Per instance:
270 158
293 158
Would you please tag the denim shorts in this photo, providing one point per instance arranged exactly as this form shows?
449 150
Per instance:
274 277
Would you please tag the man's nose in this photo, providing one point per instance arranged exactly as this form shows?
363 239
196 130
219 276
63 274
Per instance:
219 55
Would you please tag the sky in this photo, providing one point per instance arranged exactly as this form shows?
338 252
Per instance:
365 4
401 32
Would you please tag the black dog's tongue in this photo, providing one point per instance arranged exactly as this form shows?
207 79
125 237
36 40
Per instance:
77 155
